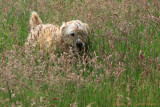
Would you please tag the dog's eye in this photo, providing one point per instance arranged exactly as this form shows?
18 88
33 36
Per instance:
72 34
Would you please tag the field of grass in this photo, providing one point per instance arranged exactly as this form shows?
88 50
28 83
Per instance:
122 67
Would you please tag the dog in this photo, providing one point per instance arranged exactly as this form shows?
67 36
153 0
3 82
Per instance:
50 37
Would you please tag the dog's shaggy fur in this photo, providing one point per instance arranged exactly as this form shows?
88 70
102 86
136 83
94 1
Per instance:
50 37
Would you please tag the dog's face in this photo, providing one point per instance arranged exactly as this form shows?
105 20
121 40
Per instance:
75 34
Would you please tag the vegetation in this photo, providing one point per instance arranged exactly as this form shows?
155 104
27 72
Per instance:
122 67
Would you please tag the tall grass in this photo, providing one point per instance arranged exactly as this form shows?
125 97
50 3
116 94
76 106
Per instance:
122 67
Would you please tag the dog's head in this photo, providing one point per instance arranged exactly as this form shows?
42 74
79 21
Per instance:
75 34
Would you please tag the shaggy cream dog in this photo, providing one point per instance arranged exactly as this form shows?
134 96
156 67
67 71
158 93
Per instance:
49 37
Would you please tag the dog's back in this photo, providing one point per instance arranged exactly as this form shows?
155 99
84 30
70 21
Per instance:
45 35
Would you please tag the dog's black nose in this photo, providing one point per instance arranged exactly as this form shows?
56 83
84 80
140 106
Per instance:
79 45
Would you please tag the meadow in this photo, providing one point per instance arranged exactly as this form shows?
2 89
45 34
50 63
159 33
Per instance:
121 68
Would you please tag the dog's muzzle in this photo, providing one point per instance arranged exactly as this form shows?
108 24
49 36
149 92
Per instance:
79 44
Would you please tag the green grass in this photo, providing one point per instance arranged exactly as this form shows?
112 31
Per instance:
122 68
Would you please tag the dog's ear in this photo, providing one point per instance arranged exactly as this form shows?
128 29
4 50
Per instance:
86 26
63 26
